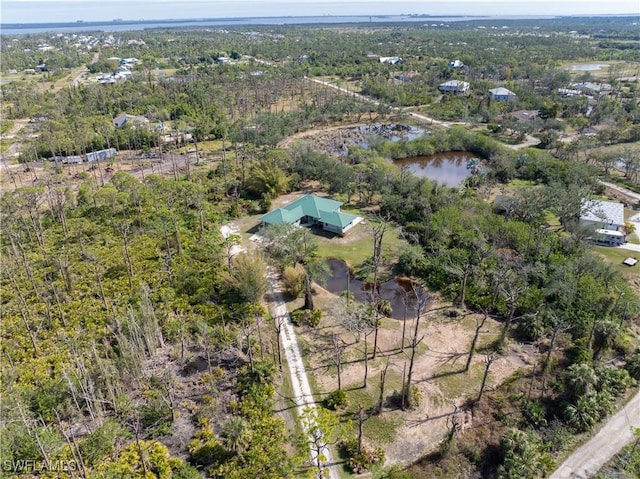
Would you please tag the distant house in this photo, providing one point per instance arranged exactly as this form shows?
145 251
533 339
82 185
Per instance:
311 210
605 218
390 60
101 155
454 86
502 94
134 120
72 160
589 88
567 92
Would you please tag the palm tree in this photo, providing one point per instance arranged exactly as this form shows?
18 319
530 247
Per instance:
605 333
580 378
584 414
235 435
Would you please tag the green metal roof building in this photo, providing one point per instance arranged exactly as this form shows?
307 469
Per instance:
313 211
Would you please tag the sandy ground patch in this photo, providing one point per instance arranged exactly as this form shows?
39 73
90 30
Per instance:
437 372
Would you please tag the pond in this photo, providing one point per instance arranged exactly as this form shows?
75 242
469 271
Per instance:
398 292
588 67
449 169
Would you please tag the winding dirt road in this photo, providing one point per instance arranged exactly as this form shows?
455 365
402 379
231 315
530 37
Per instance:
529 140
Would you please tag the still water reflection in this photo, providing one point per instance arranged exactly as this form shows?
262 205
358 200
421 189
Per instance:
399 292
449 169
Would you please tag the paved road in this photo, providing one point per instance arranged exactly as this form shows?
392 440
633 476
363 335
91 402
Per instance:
629 247
614 435
297 371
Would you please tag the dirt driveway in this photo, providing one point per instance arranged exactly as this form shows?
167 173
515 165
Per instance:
614 435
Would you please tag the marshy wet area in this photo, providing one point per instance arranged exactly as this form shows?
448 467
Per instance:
400 292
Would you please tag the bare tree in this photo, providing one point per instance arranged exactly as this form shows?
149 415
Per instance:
422 299
454 426
378 231
512 290
278 323
407 300
362 417
559 326
489 359
383 377
336 357
474 341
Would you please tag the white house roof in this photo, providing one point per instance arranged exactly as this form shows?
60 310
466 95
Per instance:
392 60
455 83
587 86
501 91
602 212
609 232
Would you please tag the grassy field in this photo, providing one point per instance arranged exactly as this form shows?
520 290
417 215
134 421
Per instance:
357 247
616 256
454 383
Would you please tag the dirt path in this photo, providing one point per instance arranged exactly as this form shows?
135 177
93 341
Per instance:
614 435
620 189
303 396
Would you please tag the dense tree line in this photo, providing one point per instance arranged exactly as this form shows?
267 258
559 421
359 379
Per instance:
126 339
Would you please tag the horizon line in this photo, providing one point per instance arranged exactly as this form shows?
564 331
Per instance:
418 16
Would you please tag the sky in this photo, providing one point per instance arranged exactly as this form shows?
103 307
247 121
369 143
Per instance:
32 11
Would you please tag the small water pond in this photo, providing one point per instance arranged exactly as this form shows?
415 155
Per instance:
398 292
588 67
449 169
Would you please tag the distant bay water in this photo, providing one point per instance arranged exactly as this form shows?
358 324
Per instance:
132 25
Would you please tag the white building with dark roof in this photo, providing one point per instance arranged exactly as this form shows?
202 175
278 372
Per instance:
454 86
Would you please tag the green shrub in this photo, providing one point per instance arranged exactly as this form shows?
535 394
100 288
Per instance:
613 380
306 317
633 365
102 441
451 313
384 308
360 462
337 399
265 203
534 413
293 280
